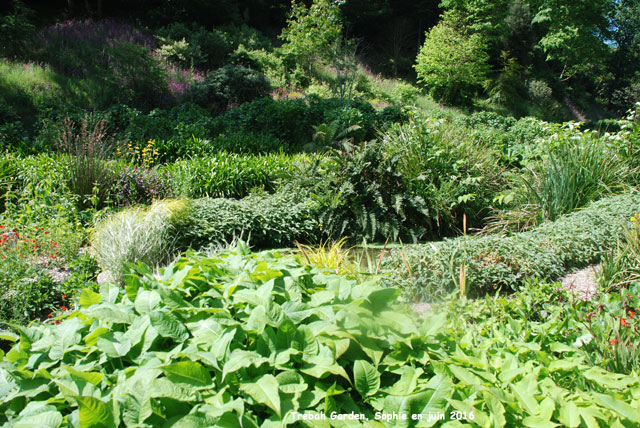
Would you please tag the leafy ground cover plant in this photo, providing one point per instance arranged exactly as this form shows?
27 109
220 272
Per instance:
504 262
250 339
266 221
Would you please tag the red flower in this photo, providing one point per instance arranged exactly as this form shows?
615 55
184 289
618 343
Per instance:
46 233
49 315
64 297
613 341
57 322
1 226
623 322
64 308
631 314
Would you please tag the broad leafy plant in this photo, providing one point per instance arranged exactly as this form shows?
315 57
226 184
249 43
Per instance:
244 339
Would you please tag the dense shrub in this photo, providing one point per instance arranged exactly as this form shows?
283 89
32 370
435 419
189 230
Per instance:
202 48
293 120
266 221
504 262
364 195
229 86
449 167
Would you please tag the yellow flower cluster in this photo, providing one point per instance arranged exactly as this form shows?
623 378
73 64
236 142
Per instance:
143 156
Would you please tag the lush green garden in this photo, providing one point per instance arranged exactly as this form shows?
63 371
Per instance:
206 225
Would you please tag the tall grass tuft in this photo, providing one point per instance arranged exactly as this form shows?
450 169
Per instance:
577 172
136 234
88 148
621 267
580 167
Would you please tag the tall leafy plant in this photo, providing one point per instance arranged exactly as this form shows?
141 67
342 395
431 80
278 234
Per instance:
365 196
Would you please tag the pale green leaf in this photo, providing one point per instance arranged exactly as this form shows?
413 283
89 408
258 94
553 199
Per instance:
89 298
366 378
190 372
264 391
168 325
94 413
91 377
147 301
618 406
569 415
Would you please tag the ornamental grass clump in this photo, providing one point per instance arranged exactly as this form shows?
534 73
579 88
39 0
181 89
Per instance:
88 147
137 234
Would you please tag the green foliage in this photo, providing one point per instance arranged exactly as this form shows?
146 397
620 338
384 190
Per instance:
266 221
453 168
507 89
621 267
87 149
268 63
8 173
240 339
573 35
191 45
16 30
312 33
136 234
451 65
293 120
581 169
504 262
230 175
229 86
365 196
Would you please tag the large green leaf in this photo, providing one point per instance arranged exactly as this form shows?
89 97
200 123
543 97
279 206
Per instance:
525 398
439 391
240 359
366 378
291 382
89 298
111 313
168 325
47 419
190 372
66 335
147 301
618 406
264 391
91 377
114 348
94 413
297 311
